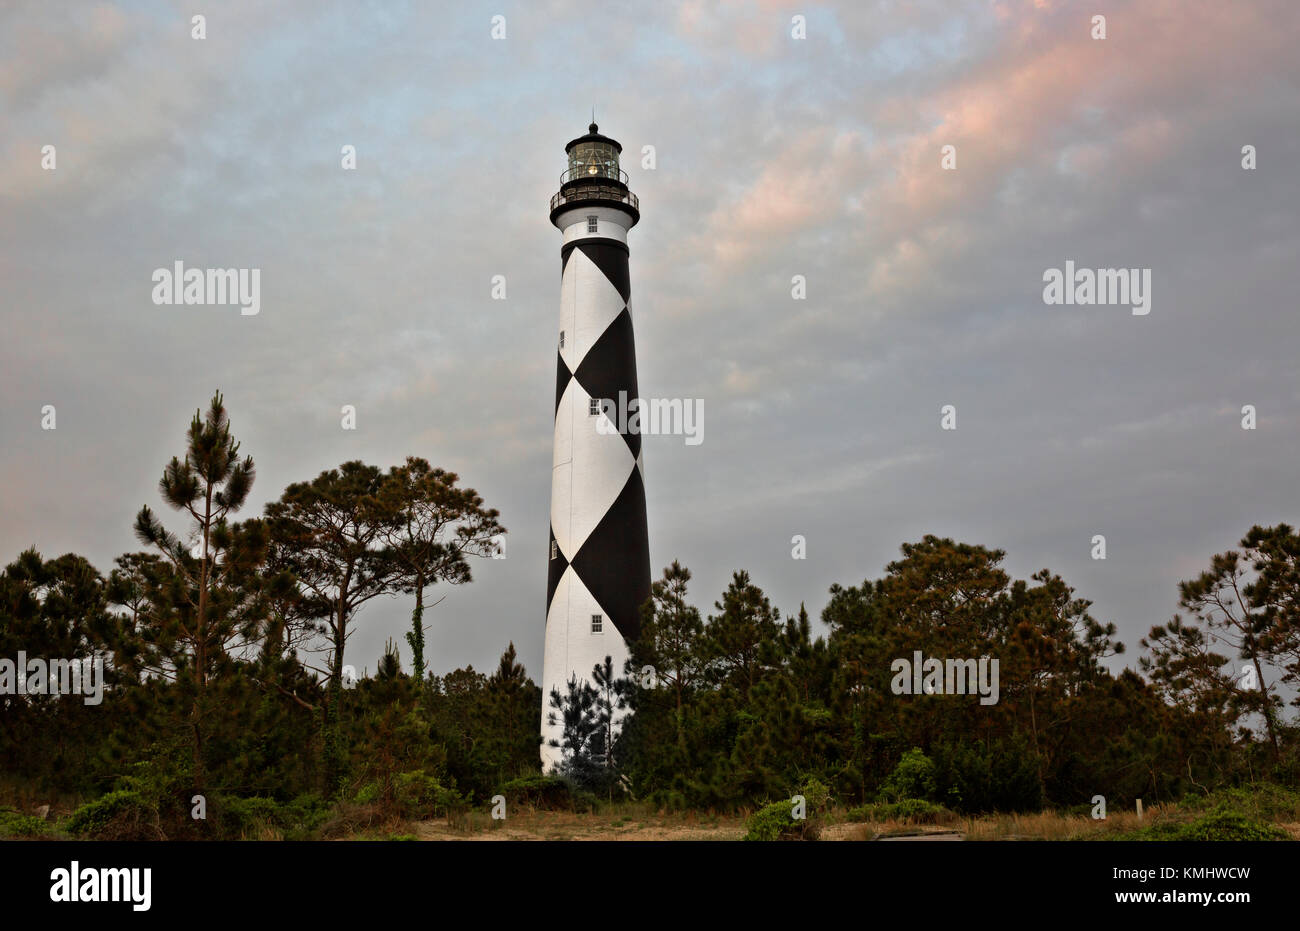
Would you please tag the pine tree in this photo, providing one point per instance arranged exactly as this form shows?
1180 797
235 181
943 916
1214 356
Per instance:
1249 602
740 635
331 533
209 484
670 645
513 707
437 526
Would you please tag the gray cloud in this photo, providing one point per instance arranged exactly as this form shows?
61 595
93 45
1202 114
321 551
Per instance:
775 158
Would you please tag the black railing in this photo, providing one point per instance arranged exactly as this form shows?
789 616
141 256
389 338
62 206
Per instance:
596 192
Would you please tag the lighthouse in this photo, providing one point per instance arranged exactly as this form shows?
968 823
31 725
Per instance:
599 555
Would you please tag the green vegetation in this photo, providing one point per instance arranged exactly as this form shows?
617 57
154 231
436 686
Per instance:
16 824
1239 813
791 820
910 810
547 793
123 814
225 678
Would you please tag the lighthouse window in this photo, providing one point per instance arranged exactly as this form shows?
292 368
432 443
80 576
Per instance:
591 224
561 339
593 406
595 623
555 549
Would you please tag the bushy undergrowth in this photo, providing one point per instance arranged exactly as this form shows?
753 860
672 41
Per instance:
1233 814
124 814
1265 801
910 810
130 814
547 793
912 779
781 820
1222 824
353 819
261 818
421 795
16 824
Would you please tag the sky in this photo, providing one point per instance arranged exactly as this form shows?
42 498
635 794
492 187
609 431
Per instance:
774 157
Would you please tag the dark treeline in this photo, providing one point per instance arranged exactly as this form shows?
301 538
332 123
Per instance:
226 646
228 673
747 706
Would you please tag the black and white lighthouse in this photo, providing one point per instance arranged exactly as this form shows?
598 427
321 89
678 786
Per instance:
599 549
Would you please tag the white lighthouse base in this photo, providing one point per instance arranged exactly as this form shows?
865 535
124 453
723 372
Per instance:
573 649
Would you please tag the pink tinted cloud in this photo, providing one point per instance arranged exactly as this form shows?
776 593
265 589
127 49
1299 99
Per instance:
1047 89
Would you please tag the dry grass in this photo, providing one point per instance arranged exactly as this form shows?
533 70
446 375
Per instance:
354 821
639 823
643 822
1047 825
1050 825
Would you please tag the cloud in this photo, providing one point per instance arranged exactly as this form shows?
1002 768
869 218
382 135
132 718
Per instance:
776 157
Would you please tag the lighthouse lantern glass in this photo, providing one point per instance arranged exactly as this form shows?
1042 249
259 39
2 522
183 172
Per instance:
593 160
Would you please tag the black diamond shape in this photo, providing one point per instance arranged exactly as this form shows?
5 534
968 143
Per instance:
611 259
614 562
557 567
610 367
562 376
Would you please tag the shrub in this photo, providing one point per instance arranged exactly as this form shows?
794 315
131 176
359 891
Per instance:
910 810
349 819
546 793
255 818
1263 801
912 778
776 821
1220 824
367 794
120 815
304 815
16 824
1000 776
420 795
772 822
161 784
816 795
1229 825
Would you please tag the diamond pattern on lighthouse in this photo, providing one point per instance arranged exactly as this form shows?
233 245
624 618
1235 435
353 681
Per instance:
598 519
602 299
599 468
